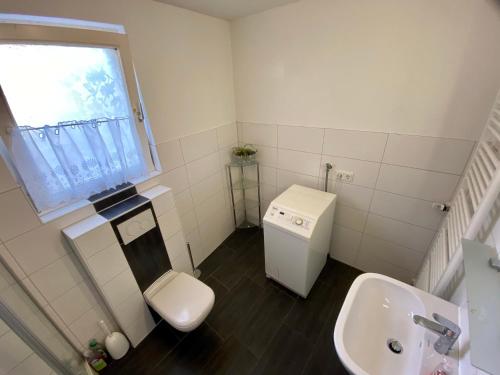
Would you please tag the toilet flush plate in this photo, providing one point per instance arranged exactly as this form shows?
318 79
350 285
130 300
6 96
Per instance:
136 226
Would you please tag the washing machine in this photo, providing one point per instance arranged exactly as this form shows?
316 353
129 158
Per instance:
297 230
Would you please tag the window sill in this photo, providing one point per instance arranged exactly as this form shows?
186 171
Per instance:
58 213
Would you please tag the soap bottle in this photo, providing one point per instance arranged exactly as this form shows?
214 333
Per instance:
444 368
95 360
98 348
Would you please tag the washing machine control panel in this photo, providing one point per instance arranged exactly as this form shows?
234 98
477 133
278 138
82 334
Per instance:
289 219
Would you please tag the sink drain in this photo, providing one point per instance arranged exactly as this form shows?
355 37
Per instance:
395 346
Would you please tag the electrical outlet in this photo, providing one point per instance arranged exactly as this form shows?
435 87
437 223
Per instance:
345 176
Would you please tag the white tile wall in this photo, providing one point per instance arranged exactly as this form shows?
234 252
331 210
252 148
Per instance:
7 182
384 220
172 154
198 145
24 219
354 144
301 139
49 247
299 162
434 154
258 134
417 183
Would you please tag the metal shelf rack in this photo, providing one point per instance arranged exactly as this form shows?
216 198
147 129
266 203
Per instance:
244 184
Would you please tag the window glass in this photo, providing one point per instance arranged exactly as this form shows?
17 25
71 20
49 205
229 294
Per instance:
48 84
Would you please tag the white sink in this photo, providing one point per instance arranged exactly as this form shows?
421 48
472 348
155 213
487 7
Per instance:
377 309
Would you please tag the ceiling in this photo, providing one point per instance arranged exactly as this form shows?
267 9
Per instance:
227 9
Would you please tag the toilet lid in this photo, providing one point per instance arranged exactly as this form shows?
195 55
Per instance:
184 302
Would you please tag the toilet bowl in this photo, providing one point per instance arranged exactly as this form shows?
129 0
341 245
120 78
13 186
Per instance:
180 299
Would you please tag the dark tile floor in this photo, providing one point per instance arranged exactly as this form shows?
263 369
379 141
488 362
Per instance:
256 325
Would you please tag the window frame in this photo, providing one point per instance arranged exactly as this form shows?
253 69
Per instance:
76 36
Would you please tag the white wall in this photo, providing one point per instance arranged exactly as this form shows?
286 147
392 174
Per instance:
184 64
413 67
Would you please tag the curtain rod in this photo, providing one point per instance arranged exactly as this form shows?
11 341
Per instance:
67 123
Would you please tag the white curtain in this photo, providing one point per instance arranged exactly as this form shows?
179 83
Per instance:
72 161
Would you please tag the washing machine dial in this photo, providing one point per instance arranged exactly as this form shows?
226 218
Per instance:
299 221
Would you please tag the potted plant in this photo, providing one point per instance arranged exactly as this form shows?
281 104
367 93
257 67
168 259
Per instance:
244 153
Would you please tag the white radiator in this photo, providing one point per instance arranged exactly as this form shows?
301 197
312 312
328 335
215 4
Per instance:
469 209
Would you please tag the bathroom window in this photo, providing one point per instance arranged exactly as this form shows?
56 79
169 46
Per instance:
69 105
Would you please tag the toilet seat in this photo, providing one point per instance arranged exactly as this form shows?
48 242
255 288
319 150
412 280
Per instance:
183 301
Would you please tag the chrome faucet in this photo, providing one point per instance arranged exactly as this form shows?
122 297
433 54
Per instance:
447 330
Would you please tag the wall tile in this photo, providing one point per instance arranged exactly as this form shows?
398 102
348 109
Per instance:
207 211
300 138
206 188
417 183
354 196
392 253
365 172
170 155
87 326
267 156
5 278
141 321
370 263
189 222
163 203
410 210
58 277
267 174
33 365
355 144
74 303
7 182
169 224
96 240
227 135
177 180
108 263
11 262
177 251
3 328
286 178
183 202
345 244
299 162
34 292
225 156
408 235
202 168
435 154
349 217
12 351
258 134
213 236
24 220
118 289
131 309
197 145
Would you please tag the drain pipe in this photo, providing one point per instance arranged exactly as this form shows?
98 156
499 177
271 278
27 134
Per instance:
328 167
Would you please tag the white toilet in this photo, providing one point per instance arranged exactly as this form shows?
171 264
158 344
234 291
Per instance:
183 301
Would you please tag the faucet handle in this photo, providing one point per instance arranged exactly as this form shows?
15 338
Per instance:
454 329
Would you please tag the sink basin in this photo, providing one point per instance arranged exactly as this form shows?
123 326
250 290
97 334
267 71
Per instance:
375 334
